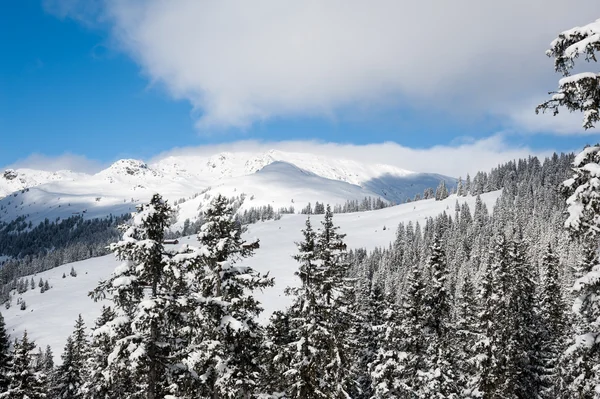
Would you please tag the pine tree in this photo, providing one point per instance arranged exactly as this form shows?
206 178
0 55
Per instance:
552 311
143 303
441 192
577 92
466 337
371 310
583 222
5 356
399 370
67 379
101 385
580 375
25 381
320 346
222 333
460 191
438 328
388 367
70 376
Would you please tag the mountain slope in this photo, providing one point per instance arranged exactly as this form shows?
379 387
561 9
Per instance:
49 317
275 178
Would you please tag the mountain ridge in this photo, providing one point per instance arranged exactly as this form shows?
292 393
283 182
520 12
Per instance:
262 176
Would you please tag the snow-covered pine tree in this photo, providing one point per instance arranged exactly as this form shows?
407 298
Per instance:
221 331
299 355
5 356
404 377
101 384
483 383
338 291
460 190
441 193
524 344
468 185
67 379
70 376
439 328
577 92
25 381
320 345
48 366
143 303
467 336
576 380
552 314
371 309
497 375
388 368
583 221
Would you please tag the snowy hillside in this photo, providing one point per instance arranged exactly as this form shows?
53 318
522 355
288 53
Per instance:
14 180
281 179
49 317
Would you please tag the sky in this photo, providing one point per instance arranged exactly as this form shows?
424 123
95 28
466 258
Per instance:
84 83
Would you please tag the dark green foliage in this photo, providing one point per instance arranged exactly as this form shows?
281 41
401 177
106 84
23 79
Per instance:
24 381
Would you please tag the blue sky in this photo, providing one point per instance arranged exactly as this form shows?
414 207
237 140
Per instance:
107 84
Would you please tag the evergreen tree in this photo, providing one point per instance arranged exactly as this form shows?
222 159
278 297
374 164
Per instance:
442 381
583 206
320 346
5 356
441 192
371 308
222 335
71 374
389 368
467 337
101 385
577 92
143 303
552 311
580 375
25 381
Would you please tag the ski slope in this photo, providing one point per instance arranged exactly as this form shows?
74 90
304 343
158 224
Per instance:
49 317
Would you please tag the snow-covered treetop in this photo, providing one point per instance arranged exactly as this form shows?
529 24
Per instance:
583 203
579 92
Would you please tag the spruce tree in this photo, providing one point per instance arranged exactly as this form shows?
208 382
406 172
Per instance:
222 335
442 381
5 356
389 366
70 376
321 345
25 381
101 385
583 222
467 336
143 303
552 315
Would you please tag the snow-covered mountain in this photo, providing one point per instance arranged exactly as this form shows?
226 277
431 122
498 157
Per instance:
276 178
14 180
49 316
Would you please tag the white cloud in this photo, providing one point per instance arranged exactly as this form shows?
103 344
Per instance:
239 62
458 160
67 161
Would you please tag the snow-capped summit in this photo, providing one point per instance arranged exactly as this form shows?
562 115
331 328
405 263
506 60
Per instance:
276 178
128 167
12 180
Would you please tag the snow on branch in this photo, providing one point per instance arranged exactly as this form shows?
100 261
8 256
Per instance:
580 92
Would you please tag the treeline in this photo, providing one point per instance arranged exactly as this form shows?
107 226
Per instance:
51 244
366 204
